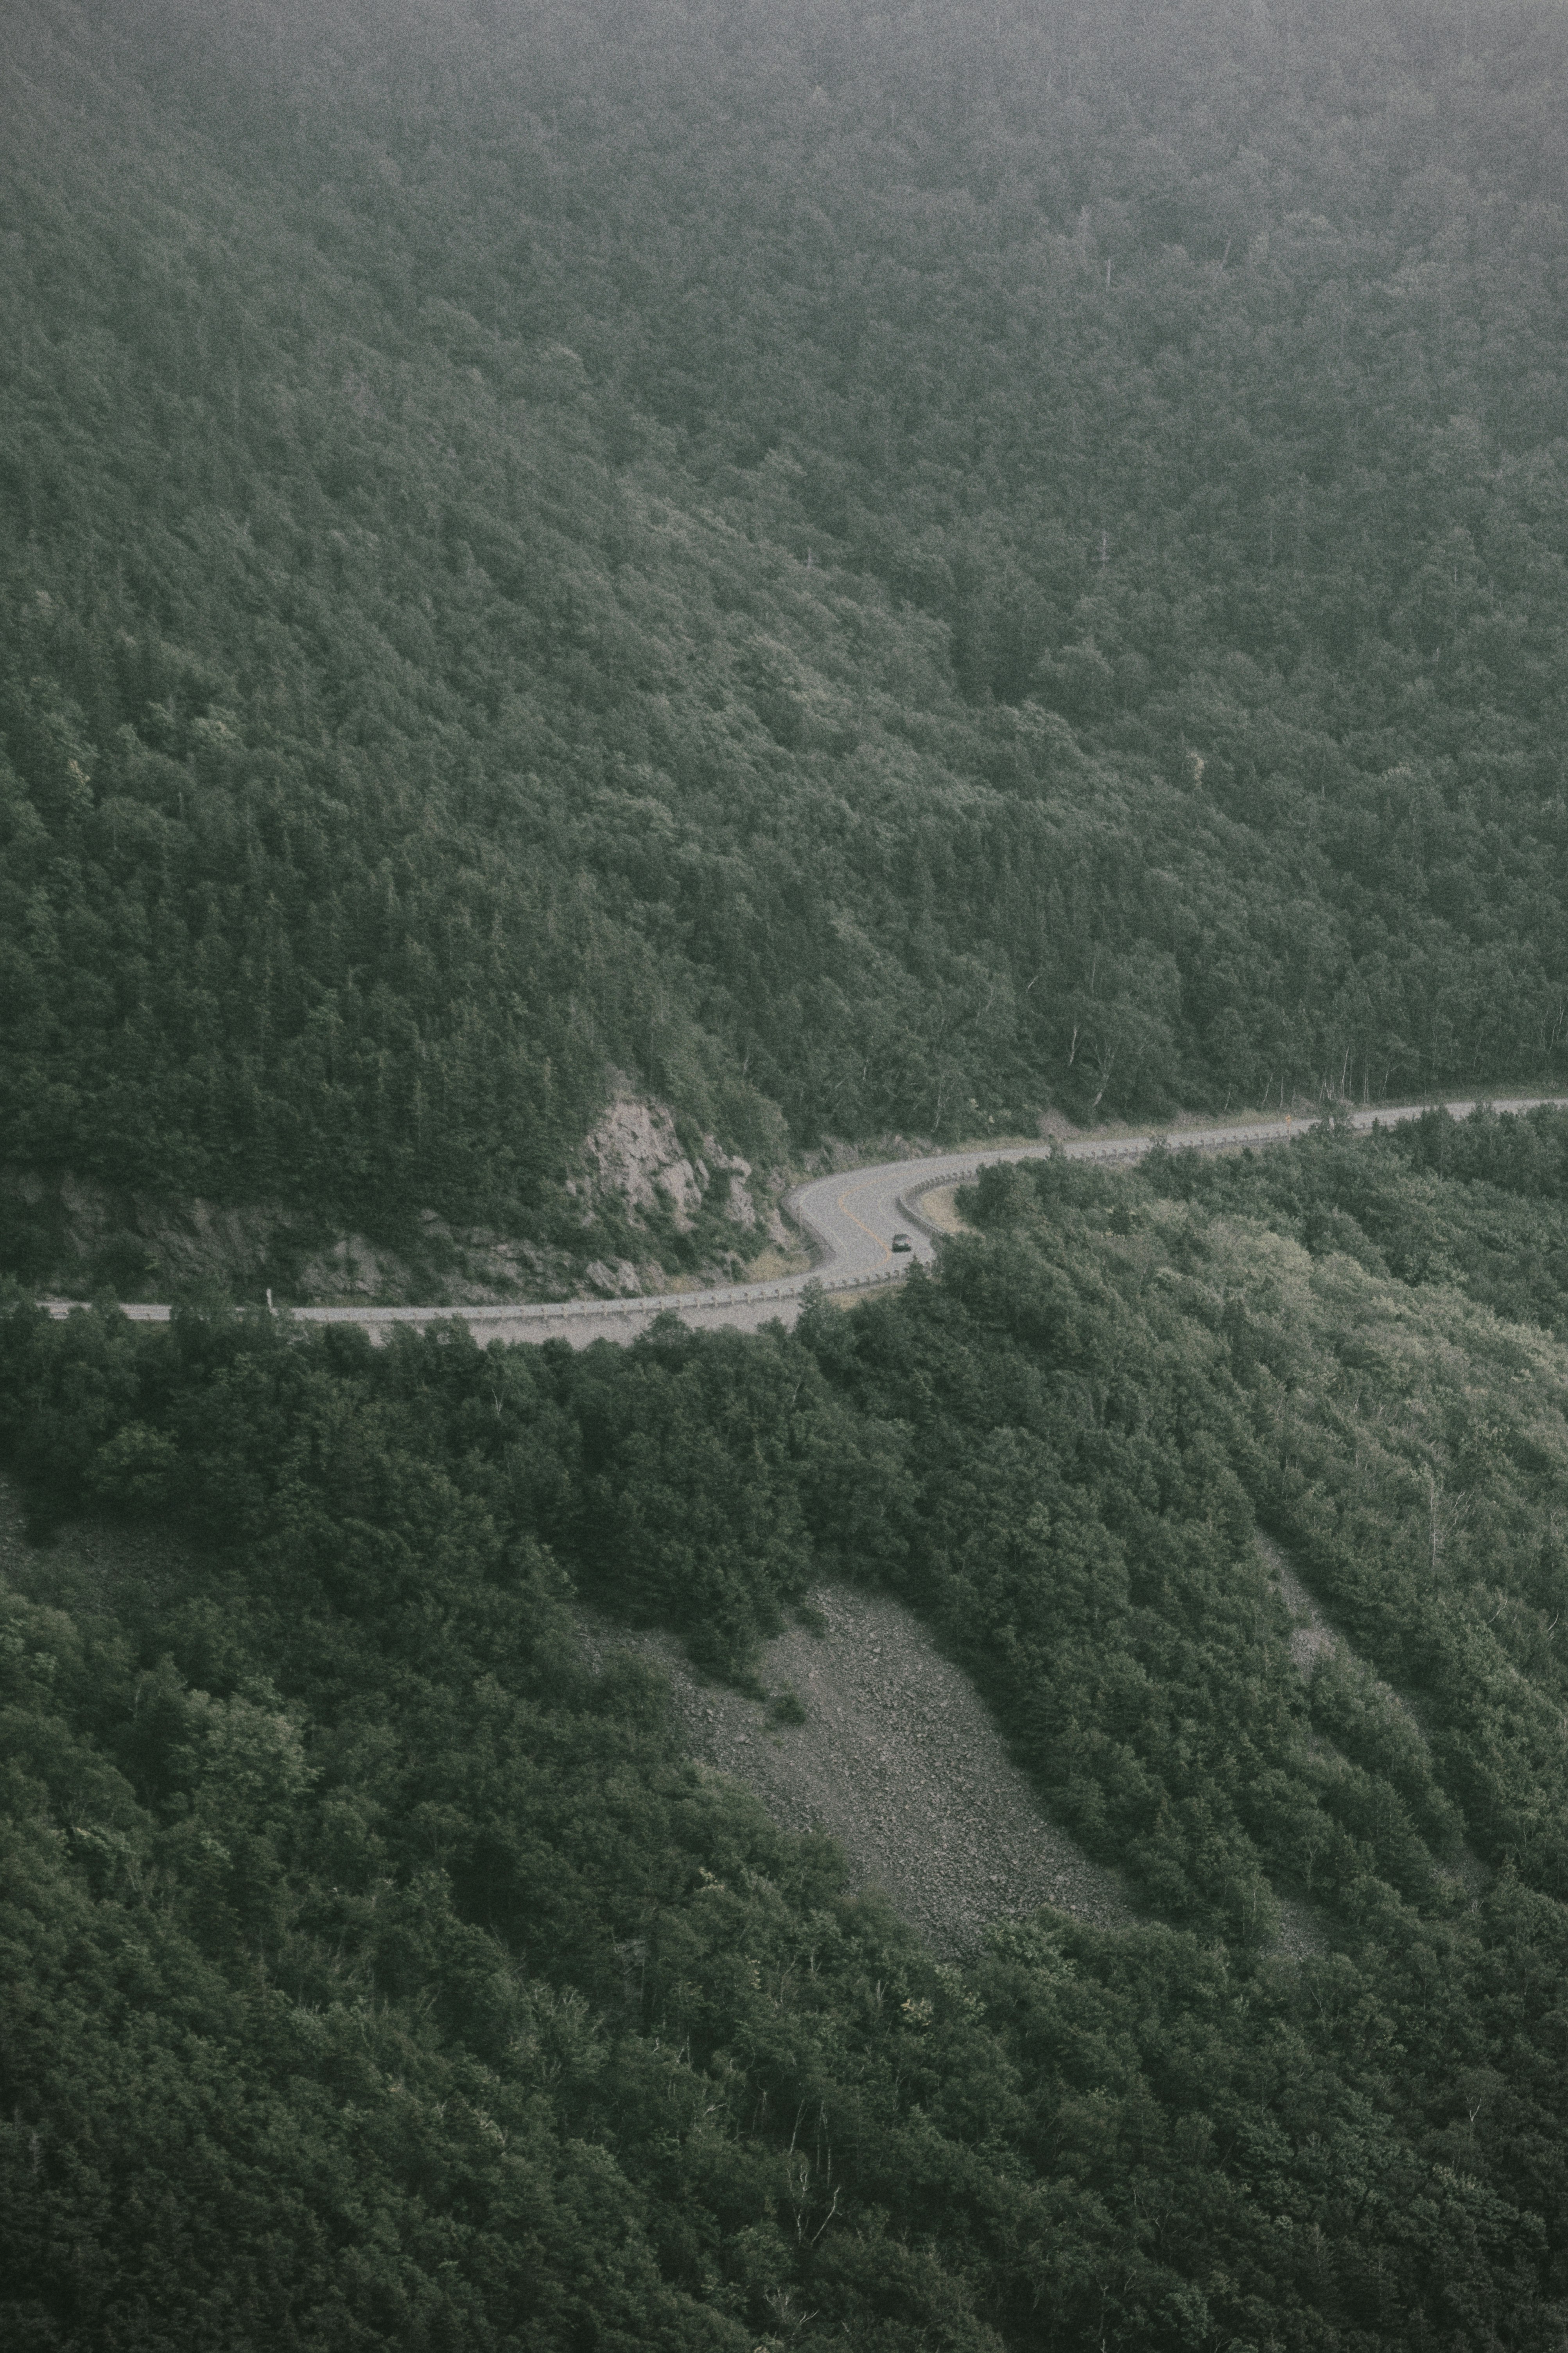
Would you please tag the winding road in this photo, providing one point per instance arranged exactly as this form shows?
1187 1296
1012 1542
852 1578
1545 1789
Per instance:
851 1219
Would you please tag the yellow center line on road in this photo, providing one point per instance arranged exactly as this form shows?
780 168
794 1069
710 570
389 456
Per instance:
840 1205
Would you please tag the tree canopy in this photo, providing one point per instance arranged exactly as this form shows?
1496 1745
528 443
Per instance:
376 1974
875 571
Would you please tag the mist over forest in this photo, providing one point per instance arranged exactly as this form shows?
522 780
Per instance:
765 587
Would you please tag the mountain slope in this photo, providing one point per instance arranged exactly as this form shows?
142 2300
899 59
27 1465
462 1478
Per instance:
860 575
376 1974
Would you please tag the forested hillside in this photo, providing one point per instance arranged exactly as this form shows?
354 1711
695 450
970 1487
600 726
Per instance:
376 1974
654 589
857 571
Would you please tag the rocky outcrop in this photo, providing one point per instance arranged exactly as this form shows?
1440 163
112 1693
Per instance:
351 1268
635 1156
635 1152
616 1278
78 1238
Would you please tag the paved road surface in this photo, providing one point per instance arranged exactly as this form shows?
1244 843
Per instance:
851 1219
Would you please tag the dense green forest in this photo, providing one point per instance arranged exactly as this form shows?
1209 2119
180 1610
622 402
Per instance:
844 573
376 1974
861 570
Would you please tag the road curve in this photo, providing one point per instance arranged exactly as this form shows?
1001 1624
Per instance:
851 1219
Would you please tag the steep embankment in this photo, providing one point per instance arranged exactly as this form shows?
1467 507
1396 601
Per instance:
648 1208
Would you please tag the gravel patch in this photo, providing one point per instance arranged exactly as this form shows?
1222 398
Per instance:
898 1760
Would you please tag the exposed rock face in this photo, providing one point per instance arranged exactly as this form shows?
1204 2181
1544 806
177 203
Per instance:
634 1145
616 1280
353 1268
737 1202
492 1266
635 1154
